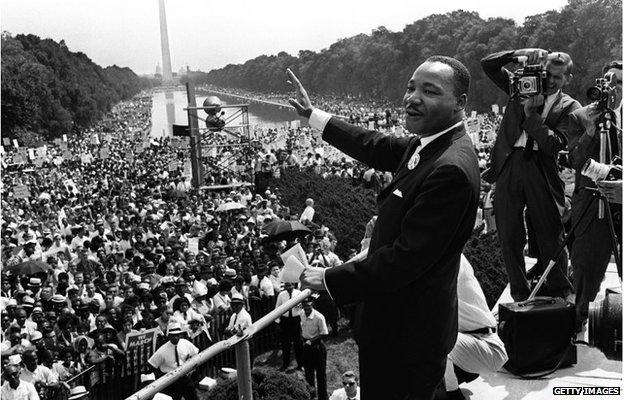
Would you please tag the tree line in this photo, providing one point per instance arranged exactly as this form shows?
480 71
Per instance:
48 91
378 65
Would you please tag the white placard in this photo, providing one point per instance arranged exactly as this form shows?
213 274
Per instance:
193 245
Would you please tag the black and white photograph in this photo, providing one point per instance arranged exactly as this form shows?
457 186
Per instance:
331 200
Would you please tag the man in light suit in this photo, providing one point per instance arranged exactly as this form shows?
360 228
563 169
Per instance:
406 288
524 168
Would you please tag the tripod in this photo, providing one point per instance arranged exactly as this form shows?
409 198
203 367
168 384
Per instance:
596 196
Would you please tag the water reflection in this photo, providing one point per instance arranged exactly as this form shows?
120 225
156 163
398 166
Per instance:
168 109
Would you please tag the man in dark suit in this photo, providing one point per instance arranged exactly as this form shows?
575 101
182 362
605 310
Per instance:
406 288
524 168
592 247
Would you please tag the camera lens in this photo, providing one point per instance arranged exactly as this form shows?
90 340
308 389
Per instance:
593 93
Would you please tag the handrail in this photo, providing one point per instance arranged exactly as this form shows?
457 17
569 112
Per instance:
80 374
201 358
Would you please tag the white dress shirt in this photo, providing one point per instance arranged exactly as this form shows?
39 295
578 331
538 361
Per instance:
283 297
240 321
312 326
25 391
341 394
164 358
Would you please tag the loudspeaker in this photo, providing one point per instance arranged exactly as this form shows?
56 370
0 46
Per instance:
537 334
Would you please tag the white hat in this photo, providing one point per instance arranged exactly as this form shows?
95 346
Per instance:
237 298
78 392
15 359
174 328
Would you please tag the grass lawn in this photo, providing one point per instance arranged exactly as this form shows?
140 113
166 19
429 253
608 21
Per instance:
341 357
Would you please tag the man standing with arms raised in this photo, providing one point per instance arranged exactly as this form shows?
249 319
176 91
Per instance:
406 322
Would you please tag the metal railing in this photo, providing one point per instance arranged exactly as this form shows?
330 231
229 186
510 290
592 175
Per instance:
241 345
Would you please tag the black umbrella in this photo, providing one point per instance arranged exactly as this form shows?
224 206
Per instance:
285 230
28 267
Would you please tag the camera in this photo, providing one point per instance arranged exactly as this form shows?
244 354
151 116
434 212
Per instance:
605 324
597 171
530 80
603 92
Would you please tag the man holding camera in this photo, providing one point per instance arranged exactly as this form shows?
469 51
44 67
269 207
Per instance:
524 163
592 246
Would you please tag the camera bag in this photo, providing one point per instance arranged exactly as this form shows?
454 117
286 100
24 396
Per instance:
537 334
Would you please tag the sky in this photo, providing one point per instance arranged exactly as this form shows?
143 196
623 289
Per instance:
208 34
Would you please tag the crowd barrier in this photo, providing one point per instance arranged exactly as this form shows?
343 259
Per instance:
121 378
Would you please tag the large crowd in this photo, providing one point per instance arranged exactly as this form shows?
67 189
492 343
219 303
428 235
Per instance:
103 234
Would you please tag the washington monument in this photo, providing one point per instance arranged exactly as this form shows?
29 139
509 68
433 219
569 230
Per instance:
164 44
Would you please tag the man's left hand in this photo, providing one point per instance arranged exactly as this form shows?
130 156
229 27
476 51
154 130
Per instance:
312 278
531 104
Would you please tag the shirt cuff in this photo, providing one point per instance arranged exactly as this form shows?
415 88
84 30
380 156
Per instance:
325 284
319 119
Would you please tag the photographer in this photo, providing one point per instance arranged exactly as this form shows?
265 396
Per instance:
524 164
592 246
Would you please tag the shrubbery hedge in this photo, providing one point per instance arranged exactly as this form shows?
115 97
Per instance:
339 205
346 209
267 384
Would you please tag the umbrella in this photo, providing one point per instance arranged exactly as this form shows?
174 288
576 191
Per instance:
28 267
229 206
285 230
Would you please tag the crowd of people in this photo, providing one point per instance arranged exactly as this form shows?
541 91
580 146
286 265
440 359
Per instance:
103 236
111 239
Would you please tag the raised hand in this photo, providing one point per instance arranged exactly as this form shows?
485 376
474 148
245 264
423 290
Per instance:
302 103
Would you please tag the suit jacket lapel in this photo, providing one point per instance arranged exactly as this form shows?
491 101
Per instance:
555 111
426 153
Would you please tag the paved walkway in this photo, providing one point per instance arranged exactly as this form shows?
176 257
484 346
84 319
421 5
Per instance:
592 369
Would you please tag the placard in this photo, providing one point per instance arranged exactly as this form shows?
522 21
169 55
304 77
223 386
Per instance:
193 245
140 339
495 108
6 141
42 151
21 192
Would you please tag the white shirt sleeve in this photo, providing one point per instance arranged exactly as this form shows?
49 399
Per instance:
325 284
319 119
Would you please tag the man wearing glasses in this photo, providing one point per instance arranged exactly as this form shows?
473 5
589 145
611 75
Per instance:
350 391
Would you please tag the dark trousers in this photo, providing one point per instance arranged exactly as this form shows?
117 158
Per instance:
521 184
591 251
290 329
314 362
183 387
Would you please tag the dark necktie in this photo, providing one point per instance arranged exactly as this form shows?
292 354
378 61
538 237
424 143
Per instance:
175 350
528 147
289 311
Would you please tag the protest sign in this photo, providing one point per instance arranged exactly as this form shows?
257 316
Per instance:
193 245
139 339
38 162
42 151
6 141
21 192
31 153
495 108
15 144
64 138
